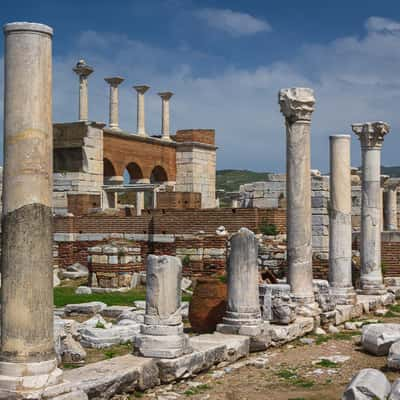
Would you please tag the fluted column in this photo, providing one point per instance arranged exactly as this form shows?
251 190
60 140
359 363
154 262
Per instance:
27 358
371 135
114 82
297 105
83 71
165 97
340 238
141 90
390 206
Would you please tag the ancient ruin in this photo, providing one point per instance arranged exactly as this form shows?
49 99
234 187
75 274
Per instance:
124 214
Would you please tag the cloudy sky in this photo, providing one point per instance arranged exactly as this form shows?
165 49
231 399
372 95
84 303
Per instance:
225 61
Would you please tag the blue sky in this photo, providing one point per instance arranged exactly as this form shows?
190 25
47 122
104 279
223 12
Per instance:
225 62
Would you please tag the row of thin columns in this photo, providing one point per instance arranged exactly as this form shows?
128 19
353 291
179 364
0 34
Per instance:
83 71
297 105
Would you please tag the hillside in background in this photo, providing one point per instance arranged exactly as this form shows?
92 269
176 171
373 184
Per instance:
392 171
230 179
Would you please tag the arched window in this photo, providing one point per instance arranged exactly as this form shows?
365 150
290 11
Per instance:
158 175
109 169
132 173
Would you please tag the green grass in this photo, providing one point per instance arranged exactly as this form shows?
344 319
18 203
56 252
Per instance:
197 390
293 378
64 295
327 364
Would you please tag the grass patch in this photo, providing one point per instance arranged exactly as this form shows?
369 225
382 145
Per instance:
390 314
64 295
70 366
320 339
294 379
327 364
138 395
100 325
345 335
197 390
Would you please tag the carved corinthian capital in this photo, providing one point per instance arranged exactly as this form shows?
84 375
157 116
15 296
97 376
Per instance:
371 134
297 104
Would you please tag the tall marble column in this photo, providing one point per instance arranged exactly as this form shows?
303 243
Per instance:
165 97
390 206
243 313
141 90
114 82
83 71
297 105
340 233
27 357
371 135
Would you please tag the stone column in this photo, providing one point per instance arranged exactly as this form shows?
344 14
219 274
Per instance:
83 71
141 90
390 207
27 357
139 203
371 135
243 313
162 335
114 82
340 233
165 96
297 105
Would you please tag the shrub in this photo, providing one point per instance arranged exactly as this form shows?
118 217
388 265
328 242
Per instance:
269 229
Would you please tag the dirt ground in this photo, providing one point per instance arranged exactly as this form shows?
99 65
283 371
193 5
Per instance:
292 372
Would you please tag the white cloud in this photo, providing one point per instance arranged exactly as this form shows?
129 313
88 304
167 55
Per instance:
233 22
380 24
355 80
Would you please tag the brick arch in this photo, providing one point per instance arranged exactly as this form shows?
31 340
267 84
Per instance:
121 149
134 171
158 175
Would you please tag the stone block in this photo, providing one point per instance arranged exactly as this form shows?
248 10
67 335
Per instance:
90 308
282 334
394 356
377 338
105 379
368 384
115 311
102 338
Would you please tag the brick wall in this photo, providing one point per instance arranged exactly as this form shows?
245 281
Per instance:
181 222
80 204
179 200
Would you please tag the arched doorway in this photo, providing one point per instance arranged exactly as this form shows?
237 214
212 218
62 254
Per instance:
158 175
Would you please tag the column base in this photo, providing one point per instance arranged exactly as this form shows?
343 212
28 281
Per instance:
34 381
372 288
162 341
249 324
306 306
343 295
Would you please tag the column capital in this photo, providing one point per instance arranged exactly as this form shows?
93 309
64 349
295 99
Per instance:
82 69
142 89
392 184
371 134
165 95
297 103
114 80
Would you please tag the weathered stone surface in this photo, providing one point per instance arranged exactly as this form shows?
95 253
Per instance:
83 290
161 335
97 321
208 349
101 338
377 338
115 311
91 308
368 384
395 393
75 271
394 356
124 374
137 316
297 105
283 334
71 351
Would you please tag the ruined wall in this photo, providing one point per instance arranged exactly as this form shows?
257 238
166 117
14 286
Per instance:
78 161
196 164
171 221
